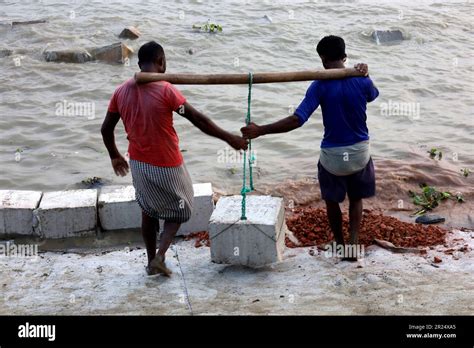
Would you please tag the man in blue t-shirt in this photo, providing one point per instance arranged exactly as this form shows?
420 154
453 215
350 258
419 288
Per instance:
345 165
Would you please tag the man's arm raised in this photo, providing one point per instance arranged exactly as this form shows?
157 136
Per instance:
206 125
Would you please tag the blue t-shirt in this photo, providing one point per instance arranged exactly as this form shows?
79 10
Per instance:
343 103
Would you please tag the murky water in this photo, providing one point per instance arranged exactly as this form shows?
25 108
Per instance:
431 71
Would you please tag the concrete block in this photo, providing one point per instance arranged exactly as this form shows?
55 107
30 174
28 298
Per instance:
5 53
67 213
16 211
118 208
68 56
254 242
131 33
387 36
203 208
115 53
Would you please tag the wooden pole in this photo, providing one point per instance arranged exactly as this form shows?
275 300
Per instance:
232 79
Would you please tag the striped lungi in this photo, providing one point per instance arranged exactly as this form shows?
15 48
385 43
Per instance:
163 192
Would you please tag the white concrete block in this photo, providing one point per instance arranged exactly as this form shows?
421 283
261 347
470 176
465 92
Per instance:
118 208
67 213
254 242
16 211
203 208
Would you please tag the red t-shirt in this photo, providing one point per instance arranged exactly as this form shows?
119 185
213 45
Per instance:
146 111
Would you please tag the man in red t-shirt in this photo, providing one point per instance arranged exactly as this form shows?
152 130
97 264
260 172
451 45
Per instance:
162 183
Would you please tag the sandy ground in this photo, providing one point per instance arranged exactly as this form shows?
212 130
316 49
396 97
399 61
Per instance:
114 282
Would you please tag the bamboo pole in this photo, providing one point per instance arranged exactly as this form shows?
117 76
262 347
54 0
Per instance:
231 79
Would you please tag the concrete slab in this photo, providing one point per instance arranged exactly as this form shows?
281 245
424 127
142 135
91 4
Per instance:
254 242
387 36
16 211
118 208
67 214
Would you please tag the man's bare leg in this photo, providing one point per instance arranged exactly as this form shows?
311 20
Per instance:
355 218
166 238
335 220
149 225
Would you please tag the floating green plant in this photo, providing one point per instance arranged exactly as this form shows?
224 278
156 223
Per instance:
465 172
435 152
429 198
208 27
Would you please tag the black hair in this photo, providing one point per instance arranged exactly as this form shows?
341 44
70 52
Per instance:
150 52
332 48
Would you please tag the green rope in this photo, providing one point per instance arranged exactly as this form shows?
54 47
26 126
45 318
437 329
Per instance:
251 159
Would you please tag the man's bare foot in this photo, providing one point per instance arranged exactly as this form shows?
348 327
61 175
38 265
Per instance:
158 264
151 271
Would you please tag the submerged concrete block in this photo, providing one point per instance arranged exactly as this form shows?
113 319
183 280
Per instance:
131 33
254 242
68 56
203 208
118 208
16 211
5 53
115 53
387 36
67 214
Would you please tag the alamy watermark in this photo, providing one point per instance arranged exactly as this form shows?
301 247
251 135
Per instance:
347 250
231 156
395 108
10 249
76 109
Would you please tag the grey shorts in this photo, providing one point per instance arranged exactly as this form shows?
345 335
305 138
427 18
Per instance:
164 193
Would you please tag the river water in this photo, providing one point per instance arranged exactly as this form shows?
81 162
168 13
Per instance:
429 75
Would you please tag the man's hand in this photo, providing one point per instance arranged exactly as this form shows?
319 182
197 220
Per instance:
237 142
251 131
363 68
120 165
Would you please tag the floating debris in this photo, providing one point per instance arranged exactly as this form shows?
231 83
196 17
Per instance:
435 153
208 27
38 21
92 182
268 18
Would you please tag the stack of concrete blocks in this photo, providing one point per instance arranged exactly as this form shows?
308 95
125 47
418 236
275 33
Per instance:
76 213
255 242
